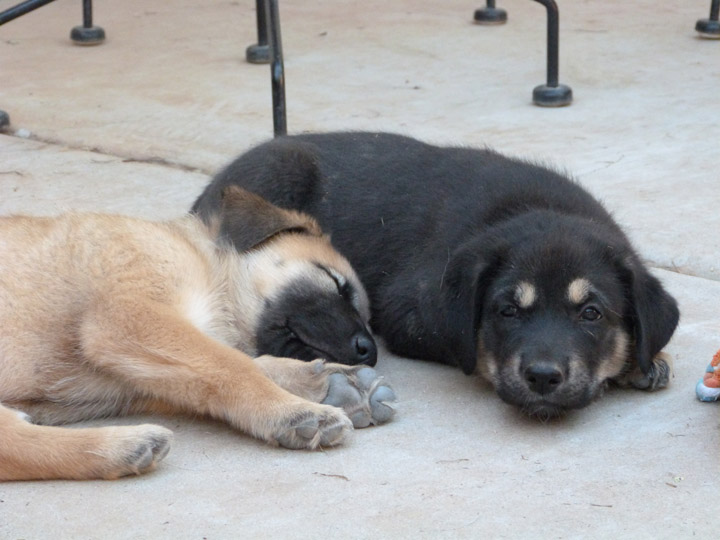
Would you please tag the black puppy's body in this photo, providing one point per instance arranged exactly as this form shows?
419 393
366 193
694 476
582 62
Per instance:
474 259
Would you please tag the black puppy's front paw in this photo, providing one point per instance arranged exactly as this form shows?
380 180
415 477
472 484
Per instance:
656 378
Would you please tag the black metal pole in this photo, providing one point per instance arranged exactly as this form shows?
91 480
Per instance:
87 34
87 13
553 42
552 94
277 68
710 28
490 14
260 52
21 9
8 15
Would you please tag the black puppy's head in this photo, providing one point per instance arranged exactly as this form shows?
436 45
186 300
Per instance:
560 305
311 302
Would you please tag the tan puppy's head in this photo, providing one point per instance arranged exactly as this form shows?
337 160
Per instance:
314 305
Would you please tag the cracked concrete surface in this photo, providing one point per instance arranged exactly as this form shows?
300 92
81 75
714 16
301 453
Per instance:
137 124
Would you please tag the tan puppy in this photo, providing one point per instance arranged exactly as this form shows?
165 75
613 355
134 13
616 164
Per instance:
107 315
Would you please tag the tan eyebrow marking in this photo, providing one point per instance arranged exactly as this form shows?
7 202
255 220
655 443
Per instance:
578 290
525 294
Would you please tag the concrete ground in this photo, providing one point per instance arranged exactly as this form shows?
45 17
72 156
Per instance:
137 124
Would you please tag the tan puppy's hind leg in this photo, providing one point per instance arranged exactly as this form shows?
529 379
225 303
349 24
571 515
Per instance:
30 452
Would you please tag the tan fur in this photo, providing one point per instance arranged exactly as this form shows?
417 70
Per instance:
615 363
107 315
525 294
487 365
578 290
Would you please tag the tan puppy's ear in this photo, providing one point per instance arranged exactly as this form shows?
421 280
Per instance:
247 220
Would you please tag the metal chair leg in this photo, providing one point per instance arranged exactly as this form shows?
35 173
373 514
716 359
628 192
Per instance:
710 28
490 14
260 52
277 68
87 34
21 9
552 94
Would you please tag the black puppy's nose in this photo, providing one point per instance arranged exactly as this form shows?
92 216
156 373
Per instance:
543 377
365 349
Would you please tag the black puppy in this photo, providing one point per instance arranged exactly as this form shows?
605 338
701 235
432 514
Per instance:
474 259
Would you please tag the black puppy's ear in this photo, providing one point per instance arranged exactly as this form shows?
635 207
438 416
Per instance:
468 275
247 220
284 171
652 313
291 174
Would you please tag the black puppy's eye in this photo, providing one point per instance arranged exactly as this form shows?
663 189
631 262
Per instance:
590 314
509 311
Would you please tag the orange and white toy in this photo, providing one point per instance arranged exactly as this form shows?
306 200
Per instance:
708 388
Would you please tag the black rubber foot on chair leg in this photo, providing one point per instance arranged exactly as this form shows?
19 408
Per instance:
708 28
258 54
93 35
489 15
4 119
552 96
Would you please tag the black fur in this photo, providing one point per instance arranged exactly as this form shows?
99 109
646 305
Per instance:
435 232
306 323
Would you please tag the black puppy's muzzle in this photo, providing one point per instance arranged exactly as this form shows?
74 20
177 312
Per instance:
542 377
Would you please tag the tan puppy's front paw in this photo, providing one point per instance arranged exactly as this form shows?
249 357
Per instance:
363 394
318 425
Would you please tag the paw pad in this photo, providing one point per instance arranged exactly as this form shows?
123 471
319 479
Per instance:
150 449
311 431
363 395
